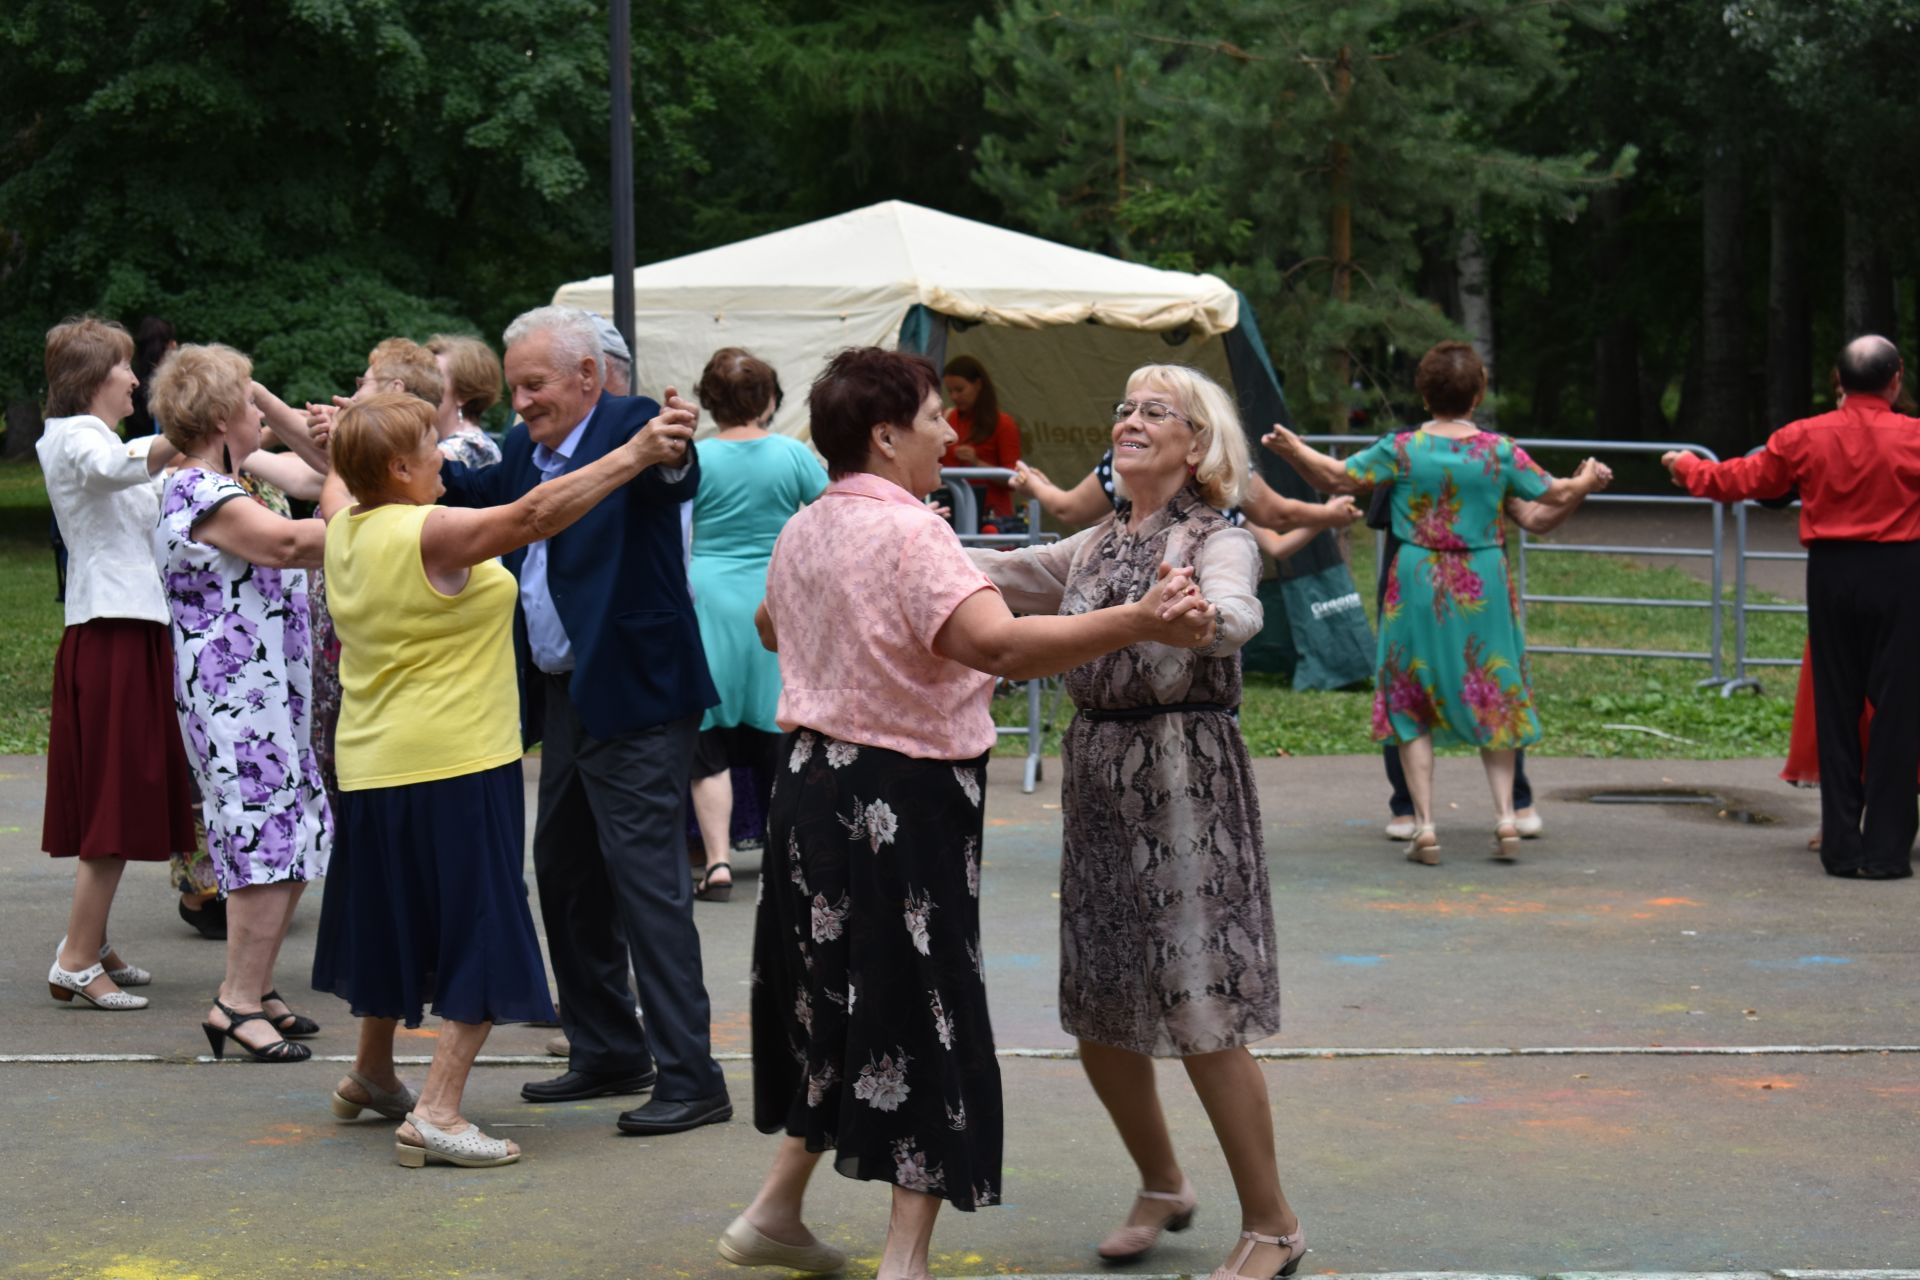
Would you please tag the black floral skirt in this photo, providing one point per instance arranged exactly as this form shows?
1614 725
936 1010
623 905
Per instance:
870 1028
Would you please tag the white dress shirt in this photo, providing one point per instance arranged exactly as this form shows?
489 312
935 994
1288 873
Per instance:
107 505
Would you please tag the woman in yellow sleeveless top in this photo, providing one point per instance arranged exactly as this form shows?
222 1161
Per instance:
425 900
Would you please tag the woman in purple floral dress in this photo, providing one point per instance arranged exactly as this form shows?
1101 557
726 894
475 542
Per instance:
1453 665
236 585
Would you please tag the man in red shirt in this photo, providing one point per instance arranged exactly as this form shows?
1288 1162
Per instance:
1858 473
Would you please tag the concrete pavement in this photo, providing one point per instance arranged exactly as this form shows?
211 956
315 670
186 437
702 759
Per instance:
1745 1095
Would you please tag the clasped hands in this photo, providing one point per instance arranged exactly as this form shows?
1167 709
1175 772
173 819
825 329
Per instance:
666 438
1175 611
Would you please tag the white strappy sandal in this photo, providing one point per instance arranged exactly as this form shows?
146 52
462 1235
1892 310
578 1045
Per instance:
129 975
64 986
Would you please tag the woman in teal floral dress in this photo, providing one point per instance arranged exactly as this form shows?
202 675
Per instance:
1452 666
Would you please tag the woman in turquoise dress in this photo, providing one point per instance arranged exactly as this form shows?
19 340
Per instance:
1452 665
751 482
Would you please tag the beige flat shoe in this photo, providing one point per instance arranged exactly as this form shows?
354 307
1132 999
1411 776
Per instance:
744 1245
1529 825
1402 828
394 1106
467 1149
1426 846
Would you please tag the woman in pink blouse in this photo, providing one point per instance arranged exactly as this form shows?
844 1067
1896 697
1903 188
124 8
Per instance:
870 1027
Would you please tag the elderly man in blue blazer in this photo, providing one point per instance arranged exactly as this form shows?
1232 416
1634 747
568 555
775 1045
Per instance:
613 683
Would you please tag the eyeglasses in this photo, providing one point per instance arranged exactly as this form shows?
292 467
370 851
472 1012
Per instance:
1152 410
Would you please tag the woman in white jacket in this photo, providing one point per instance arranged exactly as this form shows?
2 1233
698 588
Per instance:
117 788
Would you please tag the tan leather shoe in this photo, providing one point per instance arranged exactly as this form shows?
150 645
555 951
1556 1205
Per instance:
744 1245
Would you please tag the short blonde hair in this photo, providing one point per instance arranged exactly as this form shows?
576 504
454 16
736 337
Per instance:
81 352
405 361
473 369
195 390
369 434
1224 458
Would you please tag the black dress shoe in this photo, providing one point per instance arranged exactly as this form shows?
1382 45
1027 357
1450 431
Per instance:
1885 873
677 1115
572 1086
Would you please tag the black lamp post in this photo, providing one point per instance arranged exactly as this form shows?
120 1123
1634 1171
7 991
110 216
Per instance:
620 77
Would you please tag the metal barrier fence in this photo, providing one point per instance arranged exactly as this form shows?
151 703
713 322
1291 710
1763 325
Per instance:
966 523
1743 607
1715 552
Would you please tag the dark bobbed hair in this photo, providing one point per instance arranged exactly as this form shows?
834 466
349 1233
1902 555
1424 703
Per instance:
1450 378
859 389
1867 365
986 405
737 386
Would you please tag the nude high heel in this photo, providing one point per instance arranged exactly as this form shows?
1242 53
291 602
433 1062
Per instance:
1425 848
1128 1244
1296 1244
1506 841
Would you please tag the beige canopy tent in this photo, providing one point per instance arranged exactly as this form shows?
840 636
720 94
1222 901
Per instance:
1078 321
1058 329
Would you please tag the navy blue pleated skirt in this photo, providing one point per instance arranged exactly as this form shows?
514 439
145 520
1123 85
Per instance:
426 903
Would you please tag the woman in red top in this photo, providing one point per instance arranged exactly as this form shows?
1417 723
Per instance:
988 437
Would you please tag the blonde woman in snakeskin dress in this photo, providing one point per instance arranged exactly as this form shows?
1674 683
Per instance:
1166 920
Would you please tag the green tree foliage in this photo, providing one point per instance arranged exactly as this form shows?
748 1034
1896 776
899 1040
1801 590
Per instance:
302 177
1253 139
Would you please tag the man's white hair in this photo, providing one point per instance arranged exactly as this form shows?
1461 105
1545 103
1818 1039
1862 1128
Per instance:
575 335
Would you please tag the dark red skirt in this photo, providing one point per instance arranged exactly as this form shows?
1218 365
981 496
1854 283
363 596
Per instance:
117 777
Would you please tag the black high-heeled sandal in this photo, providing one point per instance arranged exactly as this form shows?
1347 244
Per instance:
292 1025
708 891
278 1051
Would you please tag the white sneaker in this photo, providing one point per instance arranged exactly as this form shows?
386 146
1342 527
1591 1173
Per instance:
1404 828
1529 826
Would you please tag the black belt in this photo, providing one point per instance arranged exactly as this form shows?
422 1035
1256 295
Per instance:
1147 713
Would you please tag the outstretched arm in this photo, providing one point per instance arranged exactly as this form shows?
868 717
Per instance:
457 538
1765 474
1080 505
1327 474
983 634
1269 509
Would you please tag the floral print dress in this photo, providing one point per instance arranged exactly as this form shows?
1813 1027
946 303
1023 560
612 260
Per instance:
870 1027
1452 660
242 645
1166 909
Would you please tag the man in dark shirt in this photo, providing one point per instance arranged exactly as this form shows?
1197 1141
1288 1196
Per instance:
1858 473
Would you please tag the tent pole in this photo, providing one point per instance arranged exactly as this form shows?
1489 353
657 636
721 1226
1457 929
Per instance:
620 81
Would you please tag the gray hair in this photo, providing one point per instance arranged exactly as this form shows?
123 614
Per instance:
575 335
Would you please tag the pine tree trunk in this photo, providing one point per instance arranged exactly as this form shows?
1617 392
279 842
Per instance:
1789 310
1868 304
24 428
1340 234
1616 353
1722 419
1476 295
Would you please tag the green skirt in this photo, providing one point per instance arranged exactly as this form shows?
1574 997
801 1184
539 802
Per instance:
1452 658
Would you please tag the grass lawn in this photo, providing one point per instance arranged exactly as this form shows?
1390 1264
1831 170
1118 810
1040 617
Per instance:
31 618
1578 696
